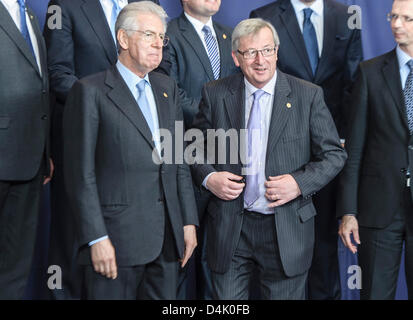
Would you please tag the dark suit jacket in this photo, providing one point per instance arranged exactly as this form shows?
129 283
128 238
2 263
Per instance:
186 60
24 102
83 46
303 142
380 146
341 55
113 184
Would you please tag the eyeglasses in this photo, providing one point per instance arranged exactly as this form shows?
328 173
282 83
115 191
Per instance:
150 36
391 17
252 53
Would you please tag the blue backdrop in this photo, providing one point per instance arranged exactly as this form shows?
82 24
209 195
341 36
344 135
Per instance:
377 39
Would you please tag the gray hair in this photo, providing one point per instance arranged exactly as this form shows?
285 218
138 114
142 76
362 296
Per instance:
127 17
251 26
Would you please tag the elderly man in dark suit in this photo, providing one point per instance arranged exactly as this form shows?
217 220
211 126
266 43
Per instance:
199 51
375 187
319 46
135 215
261 216
24 132
84 45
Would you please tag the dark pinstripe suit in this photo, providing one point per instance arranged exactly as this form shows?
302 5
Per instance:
302 141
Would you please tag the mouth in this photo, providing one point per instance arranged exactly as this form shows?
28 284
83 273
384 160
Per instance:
260 69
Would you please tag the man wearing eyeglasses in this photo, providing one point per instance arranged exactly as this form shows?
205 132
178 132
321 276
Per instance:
199 51
85 44
319 46
261 216
135 216
375 187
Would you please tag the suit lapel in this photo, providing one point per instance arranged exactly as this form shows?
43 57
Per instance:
289 19
224 44
124 100
330 30
280 112
97 19
163 108
391 75
8 25
40 43
189 33
235 104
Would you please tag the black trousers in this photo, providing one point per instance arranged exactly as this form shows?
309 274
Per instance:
157 280
380 254
19 213
324 274
257 253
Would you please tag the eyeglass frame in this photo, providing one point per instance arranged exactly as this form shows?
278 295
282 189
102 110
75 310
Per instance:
165 39
274 49
404 19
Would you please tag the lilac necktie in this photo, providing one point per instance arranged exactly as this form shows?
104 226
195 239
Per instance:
252 191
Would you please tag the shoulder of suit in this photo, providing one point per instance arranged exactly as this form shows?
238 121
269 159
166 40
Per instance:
378 61
267 10
224 83
222 27
298 82
94 80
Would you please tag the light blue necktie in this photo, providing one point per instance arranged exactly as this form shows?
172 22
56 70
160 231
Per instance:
213 51
23 25
310 40
114 16
252 190
408 96
144 104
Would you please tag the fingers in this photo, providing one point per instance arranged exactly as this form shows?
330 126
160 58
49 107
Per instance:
103 259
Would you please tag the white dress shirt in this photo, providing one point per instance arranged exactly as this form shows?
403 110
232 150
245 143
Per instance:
317 19
107 6
13 8
198 25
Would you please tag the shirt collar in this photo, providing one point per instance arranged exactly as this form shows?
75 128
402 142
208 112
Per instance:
402 57
268 88
198 25
130 78
317 6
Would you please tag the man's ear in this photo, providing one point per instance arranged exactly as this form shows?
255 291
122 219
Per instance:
234 57
123 39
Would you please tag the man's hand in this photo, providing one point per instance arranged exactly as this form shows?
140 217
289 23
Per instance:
281 189
349 225
47 179
103 258
190 243
223 184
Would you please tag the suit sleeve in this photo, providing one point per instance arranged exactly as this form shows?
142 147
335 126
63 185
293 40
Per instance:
353 58
80 130
184 182
60 54
328 156
349 178
202 121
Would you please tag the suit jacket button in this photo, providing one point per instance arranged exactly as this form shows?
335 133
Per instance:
44 91
44 117
410 147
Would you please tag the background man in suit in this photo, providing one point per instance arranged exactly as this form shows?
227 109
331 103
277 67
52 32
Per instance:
375 190
24 132
135 217
318 46
199 51
84 45
269 226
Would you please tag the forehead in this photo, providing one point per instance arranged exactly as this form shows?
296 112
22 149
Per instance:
256 40
403 7
149 21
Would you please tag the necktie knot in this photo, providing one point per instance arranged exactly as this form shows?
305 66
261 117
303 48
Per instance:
115 5
206 30
141 87
410 65
258 94
307 14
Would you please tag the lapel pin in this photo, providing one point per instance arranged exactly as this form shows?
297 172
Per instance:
288 105
165 95
224 36
31 17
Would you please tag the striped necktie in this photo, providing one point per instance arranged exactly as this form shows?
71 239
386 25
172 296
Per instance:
213 52
408 96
